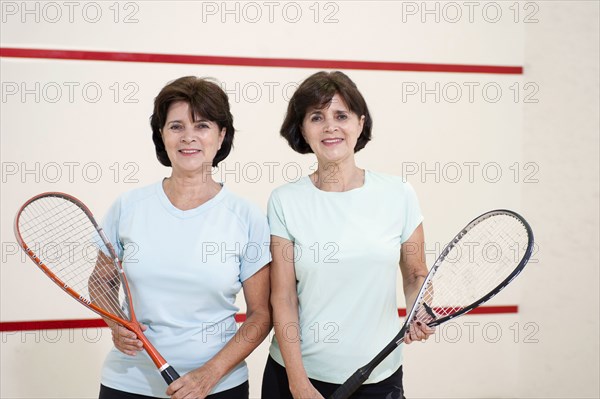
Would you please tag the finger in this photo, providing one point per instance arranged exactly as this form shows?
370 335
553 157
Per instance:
175 386
415 331
430 330
419 331
407 337
127 349
185 393
128 346
132 342
426 330
122 338
128 352
134 346
124 332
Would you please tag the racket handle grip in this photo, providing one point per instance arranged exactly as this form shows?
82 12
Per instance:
169 374
351 384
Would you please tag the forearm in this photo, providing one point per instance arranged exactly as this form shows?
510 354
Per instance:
411 288
412 265
248 337
287 331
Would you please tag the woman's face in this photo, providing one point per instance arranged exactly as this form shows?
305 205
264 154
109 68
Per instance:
191 145
332 132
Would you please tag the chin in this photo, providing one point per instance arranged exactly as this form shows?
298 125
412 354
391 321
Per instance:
331 158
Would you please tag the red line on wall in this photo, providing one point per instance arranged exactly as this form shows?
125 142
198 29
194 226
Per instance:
241 317
256 62
50 324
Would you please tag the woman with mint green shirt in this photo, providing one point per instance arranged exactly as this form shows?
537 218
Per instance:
337 239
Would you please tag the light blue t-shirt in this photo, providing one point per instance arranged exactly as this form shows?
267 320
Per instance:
347 254
184 270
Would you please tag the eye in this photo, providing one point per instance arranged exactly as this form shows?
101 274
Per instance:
315 118
342 116
202 125
176 127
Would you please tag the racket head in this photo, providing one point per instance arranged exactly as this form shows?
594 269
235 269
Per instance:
59 233
467 274
61 236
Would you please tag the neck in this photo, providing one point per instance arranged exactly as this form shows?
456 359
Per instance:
190 191
338 177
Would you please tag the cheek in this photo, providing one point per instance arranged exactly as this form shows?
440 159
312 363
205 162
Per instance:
310 134
357 132
168 142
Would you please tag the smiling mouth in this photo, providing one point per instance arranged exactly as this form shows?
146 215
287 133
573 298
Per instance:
331 141
189 151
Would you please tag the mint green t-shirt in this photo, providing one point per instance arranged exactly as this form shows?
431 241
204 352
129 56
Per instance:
346 252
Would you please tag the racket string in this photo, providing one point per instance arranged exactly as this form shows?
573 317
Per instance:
482 259
64 238
65 214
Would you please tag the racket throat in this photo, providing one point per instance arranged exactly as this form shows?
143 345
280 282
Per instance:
430 311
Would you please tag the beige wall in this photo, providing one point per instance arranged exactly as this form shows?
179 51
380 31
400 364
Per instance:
542 124
561 134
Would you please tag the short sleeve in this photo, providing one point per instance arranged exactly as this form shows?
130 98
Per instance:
412 212
110 226
276 218
256 253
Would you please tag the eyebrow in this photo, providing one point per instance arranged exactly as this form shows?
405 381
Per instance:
196 121
320 110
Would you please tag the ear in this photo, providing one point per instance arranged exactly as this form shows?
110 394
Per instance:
222 137
361 123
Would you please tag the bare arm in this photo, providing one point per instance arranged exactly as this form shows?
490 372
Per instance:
414 272
284 299
199 382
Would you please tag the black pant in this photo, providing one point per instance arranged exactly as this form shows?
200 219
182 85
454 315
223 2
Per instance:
276 386
239 392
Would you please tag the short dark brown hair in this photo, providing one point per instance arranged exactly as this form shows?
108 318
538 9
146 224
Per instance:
206 99
316 92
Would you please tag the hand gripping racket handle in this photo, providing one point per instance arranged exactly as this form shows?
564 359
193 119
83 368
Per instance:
169 374
351 384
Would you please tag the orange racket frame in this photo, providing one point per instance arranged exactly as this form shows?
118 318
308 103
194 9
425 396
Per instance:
167 371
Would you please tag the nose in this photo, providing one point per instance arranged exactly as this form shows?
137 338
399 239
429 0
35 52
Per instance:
188 136
330 126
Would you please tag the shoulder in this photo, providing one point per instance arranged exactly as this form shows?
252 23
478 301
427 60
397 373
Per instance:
140 193
387 182
243 209
136 197
292 189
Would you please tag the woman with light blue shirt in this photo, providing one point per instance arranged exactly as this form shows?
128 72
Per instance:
338 238
188 246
